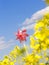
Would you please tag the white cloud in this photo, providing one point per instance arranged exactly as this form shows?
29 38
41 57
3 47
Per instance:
29 22
28 27
4 44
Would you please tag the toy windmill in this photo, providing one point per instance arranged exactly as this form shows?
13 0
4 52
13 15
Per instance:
21 36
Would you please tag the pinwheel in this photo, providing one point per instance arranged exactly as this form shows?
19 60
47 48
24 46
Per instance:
21 35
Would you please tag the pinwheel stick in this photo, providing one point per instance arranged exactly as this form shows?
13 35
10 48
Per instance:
25 48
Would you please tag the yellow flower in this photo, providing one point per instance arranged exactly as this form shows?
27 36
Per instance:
42 64
37 58
39 25
11 63
13 54
47 1
39 35
0 62
46 15
45 54
47 59
47 42
32 42
5 62
29 59
45 31
37 46
44 46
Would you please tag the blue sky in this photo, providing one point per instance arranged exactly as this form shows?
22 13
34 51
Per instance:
12 14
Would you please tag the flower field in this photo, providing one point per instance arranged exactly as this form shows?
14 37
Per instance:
38 45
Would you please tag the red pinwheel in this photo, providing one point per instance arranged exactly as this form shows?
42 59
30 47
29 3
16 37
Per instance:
21 35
